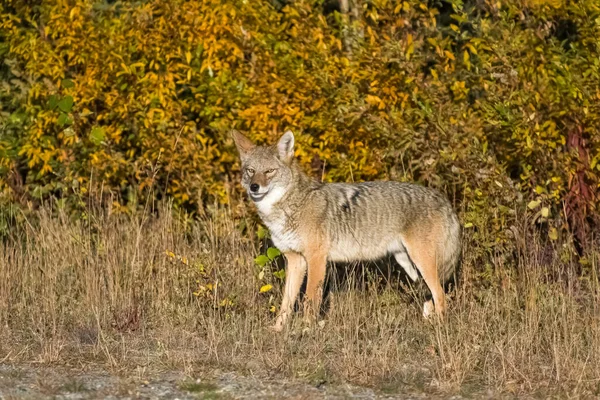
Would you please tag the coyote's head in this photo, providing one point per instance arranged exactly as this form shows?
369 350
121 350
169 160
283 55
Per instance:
266 170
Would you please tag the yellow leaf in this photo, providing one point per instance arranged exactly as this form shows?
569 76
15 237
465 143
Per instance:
45 168
553 234
265 288
471 48
410 50
533 204
373 100
226 303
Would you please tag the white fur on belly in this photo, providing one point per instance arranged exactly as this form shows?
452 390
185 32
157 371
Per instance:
350 249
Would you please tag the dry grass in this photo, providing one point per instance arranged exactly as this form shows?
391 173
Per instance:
107 290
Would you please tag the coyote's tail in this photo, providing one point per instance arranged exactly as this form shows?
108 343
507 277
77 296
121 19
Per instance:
449 253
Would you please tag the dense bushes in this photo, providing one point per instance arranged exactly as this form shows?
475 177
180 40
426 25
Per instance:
497 103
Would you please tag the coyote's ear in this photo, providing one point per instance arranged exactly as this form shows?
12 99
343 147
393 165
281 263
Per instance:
285 147
243 144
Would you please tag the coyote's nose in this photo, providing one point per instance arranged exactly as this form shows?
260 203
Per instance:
254 187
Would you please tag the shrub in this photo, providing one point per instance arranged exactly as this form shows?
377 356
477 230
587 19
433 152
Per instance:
498 103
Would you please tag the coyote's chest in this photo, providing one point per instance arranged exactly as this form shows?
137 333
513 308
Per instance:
284 238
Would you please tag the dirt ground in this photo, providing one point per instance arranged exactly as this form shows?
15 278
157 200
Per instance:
42 382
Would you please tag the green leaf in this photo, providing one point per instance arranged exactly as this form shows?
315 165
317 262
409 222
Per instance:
17 117
66 103
97 135
279 274
52 102
37 192
273 252
261 260
67 83
60 203
533 204
63 119
261 232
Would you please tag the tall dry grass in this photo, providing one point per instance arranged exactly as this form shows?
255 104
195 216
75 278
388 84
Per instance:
162 291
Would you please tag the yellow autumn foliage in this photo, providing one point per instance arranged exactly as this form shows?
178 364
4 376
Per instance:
485 100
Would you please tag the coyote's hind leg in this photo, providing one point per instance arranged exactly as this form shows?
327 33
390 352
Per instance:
408 266
421 250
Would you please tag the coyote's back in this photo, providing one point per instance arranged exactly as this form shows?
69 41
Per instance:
370 220
312 223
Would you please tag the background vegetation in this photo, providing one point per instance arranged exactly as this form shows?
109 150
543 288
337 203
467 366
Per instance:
495 102
109 108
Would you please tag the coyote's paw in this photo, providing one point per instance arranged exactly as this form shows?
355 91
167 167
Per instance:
431 312
278 325
428 309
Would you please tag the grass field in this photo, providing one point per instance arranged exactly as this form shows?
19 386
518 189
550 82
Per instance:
160 291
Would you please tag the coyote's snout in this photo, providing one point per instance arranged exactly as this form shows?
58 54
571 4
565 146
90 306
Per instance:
312 223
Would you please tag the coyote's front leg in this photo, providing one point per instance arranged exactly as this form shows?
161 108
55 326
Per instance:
317 261
294 275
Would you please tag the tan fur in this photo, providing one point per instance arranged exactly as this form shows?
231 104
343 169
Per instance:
424 256
312 223
296 269
316 257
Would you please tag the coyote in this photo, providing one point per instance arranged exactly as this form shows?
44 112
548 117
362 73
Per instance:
312 223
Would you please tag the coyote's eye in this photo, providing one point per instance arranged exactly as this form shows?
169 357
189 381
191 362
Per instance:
250 171
270 171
